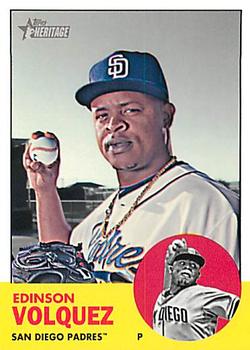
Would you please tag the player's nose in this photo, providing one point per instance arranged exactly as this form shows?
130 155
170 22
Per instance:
188 265
116 122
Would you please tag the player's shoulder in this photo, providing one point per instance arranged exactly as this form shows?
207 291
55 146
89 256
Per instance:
162 298
208 291
199 185
197 292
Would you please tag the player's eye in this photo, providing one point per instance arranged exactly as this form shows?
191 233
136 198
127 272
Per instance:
101 116
131 110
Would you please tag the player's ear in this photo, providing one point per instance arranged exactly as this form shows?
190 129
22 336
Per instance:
168 114
170 268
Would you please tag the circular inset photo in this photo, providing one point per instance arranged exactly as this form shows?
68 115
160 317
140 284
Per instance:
187 287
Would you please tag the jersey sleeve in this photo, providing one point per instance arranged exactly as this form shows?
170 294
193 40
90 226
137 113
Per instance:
211 214
221 304
209 209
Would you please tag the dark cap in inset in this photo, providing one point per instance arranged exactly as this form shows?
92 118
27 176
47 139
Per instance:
189 254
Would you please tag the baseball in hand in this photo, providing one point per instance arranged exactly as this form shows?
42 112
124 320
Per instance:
44 150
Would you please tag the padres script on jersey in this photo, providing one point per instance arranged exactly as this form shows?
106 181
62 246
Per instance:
192 313
182 200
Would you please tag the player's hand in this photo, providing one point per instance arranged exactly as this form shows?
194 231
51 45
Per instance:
176 245
42 178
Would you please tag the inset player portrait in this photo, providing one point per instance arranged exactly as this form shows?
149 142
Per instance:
183 289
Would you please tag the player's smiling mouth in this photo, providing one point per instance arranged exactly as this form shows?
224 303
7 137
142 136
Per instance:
186 273
118 145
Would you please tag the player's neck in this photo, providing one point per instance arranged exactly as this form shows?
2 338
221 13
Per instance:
133 176
174 289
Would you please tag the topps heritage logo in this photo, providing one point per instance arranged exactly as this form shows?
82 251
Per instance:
38 29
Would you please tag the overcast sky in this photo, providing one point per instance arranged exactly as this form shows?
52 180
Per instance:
198 51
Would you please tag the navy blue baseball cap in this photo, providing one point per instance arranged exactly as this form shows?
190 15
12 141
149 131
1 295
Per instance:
124 71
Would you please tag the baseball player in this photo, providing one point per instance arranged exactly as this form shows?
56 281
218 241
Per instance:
187 310
158 196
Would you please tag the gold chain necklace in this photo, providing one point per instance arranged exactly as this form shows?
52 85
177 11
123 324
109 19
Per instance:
109 211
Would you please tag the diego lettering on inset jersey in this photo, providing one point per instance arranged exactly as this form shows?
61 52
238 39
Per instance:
173 314
113 251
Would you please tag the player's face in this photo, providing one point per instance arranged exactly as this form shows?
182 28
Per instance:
129 129
185 272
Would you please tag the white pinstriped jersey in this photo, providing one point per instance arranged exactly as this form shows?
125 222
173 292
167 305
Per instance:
193 312
182 200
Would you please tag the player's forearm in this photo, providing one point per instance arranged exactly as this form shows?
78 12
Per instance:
52 225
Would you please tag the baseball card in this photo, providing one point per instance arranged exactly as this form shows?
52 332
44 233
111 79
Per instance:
125 139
